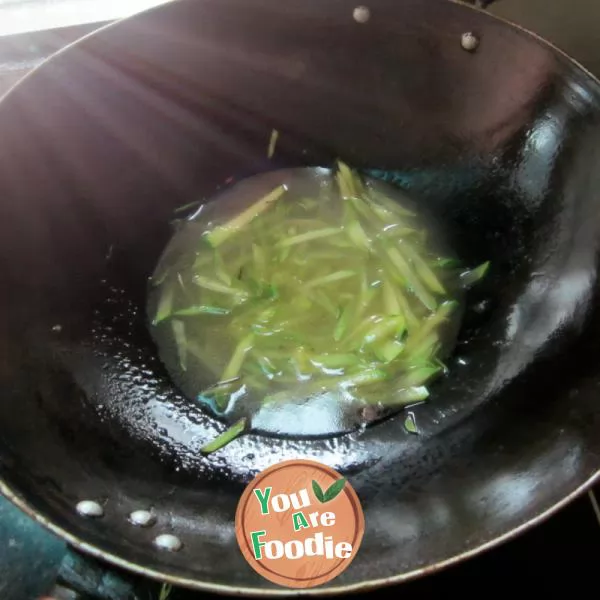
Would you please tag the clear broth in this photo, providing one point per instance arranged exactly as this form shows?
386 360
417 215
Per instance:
301 313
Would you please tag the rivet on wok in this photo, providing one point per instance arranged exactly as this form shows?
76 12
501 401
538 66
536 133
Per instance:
142 518
361 14
89 508
469 42
169 542
57 328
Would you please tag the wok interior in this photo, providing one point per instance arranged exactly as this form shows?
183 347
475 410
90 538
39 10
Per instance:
289 397
165 109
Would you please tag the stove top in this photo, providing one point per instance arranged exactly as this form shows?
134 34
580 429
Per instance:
562 550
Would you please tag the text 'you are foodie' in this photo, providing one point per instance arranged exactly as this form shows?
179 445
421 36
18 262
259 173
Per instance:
299 524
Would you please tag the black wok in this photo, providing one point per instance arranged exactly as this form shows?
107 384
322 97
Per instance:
101 143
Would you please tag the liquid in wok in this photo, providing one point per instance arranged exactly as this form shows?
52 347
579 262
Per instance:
329 299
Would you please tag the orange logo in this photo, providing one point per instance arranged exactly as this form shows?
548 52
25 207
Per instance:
299 524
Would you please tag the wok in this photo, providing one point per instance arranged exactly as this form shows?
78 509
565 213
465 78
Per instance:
105 139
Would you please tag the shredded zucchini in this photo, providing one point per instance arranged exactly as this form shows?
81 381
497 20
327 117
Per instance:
340 291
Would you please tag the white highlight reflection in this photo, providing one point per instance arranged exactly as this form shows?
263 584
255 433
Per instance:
38 15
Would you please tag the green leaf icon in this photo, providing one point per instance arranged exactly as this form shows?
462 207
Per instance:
334 489
318 491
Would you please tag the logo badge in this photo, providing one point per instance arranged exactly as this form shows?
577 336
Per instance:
299 524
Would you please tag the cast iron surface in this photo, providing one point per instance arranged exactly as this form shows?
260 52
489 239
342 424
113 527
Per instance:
108 137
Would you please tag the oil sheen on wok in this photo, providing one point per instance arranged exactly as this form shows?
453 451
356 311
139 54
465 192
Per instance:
307 302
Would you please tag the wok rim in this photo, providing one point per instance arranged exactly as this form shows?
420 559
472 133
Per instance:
366 584
258 592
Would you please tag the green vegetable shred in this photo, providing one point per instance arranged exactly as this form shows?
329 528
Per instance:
340 288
